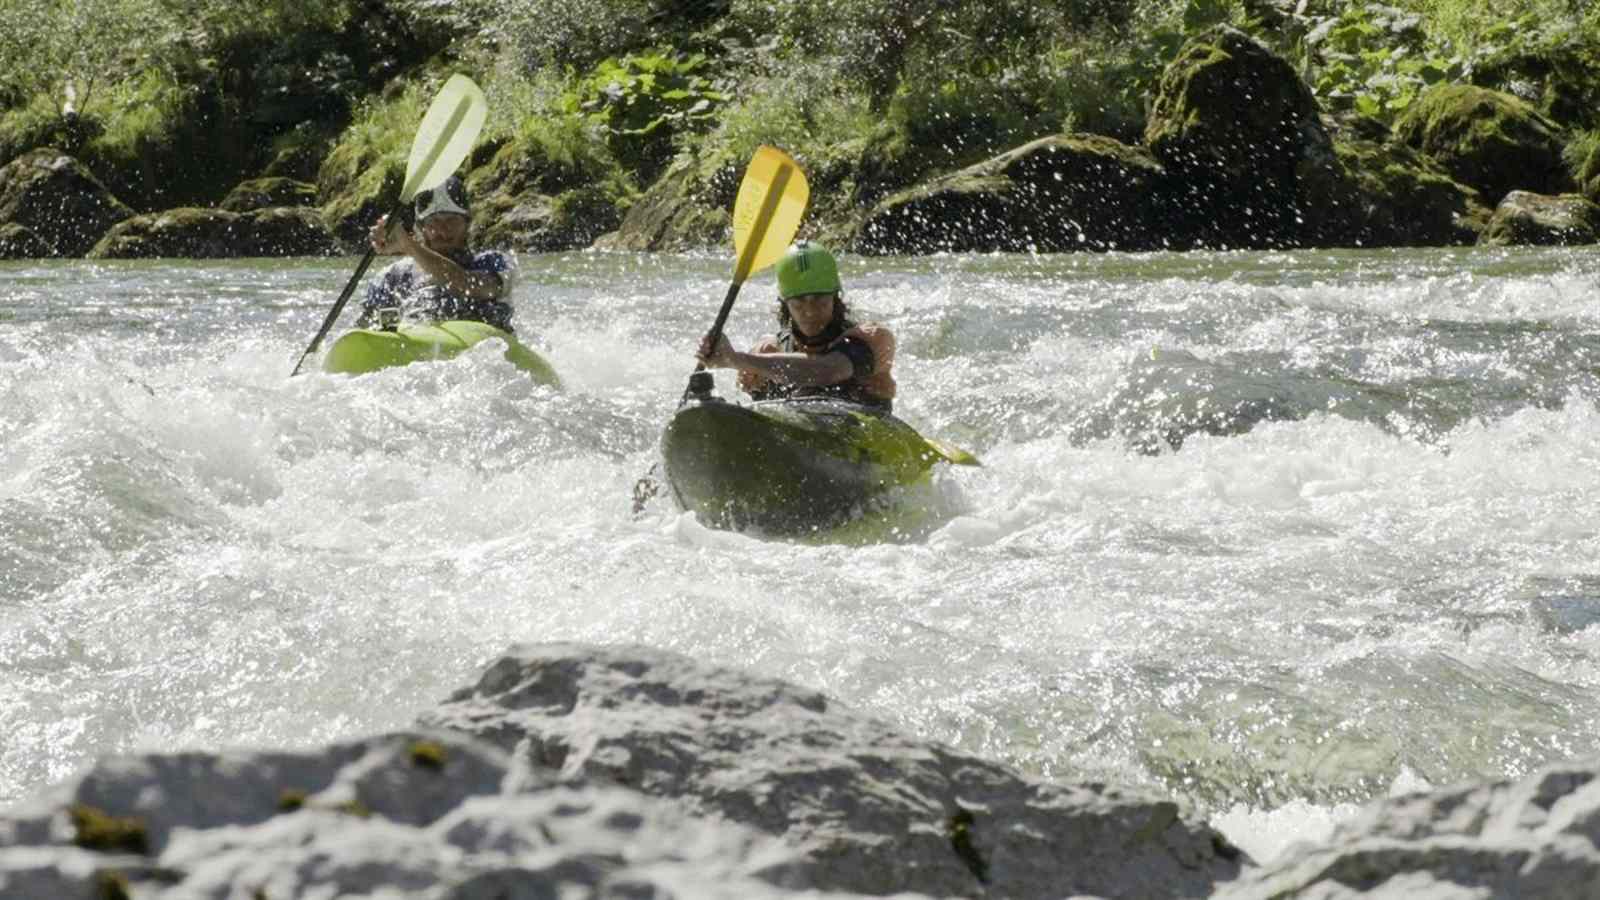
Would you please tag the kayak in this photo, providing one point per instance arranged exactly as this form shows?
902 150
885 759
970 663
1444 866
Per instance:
788 466
368 350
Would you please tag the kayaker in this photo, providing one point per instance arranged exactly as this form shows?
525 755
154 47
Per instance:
440 279
819 350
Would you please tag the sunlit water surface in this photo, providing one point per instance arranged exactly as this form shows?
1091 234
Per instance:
1273 534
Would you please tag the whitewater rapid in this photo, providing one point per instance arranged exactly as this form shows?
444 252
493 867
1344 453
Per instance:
1270 533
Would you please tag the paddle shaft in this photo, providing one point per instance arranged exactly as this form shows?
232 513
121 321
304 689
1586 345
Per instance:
722 318
344 297
749 249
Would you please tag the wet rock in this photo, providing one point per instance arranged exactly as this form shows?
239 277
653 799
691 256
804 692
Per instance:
269 192
688 208
357 188
869 810
58 201
19 242
1238 132
523 200
218 234
1526 218
1393 196
1535 837
1488 140
1067 192
409 815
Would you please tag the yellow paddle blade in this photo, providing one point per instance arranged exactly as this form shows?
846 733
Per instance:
772 198
446 135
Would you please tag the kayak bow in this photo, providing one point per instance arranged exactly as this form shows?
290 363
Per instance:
368 350
787 466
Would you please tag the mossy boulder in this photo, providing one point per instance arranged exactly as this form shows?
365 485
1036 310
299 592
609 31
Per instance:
524 200
19 242
1060 193
265 193
1525 218
1488 140
571 220
59 201
1394 196
1238 132
689 207
356 187
218 234
1561 79
1586 168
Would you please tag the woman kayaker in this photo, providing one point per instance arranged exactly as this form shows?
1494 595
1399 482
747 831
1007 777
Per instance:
440 279
819 351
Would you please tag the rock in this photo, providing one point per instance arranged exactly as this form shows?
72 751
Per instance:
268 192
869 810
1238 131
408 815
1535 837
1487 140
217 234
19 242
1587 168
1067 192
1393 196
572 220
1526 218
58 201
688 208
358 189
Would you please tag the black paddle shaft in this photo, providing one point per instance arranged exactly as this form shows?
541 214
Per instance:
700 380
344 296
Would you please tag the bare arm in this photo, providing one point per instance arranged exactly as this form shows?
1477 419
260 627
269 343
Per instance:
442 269
793 368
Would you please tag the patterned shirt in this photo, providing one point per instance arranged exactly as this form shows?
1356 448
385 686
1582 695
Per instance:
405 286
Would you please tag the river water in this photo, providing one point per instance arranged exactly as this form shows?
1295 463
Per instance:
1271 533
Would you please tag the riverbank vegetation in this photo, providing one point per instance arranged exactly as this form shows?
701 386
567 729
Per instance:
176 101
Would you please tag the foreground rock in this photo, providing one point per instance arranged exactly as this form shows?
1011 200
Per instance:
603 772
869 809
1537 837
399 816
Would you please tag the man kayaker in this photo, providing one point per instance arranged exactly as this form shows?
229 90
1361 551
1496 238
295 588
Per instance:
440 279
819 351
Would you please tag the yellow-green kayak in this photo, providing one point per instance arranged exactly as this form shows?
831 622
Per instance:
368 350
789 466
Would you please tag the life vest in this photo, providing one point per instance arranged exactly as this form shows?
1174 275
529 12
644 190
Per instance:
875 388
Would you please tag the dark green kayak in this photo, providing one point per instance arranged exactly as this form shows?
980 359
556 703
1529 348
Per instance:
788 466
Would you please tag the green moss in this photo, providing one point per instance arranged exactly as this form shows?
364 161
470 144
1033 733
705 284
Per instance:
1582 156
95 829
429 755
959 827
112 886
354 808
291 799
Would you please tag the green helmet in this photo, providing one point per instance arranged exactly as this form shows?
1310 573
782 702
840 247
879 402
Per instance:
807 269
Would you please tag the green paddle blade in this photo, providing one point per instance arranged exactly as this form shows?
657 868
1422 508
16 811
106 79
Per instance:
446 135
772 199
